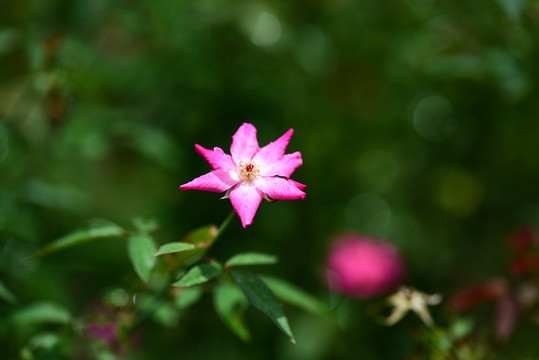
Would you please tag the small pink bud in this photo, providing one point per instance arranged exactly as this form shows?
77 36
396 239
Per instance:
362 267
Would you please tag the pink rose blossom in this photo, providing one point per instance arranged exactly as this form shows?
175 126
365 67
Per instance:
250 173
363 267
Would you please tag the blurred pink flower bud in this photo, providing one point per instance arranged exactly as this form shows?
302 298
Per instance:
524 239
362 267
468 298
107 332
524 265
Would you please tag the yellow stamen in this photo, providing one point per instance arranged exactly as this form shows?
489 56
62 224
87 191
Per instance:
248 170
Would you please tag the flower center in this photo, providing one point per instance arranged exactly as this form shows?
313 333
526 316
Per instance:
248 170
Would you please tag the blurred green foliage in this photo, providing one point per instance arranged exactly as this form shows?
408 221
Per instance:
417 121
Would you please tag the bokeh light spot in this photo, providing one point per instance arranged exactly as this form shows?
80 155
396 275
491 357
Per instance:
266 29
433 117
118 297
460 193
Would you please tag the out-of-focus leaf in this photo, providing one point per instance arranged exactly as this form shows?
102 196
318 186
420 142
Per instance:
461 327
202 238
159 310
105 354
42 312
230 303
251 259
200 274
145 226
188 297
155 145
167 315
6 294
56 196
95 232
262 298
175 247
26 354
141 248
44 341
293 295
513 8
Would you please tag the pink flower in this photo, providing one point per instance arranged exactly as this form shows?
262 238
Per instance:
363 267
250 173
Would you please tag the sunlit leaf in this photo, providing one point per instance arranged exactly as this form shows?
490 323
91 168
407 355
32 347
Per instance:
95 232
200 274
6 294
188 297
230 303
175 247
251 259
42 312
293 295
262 298
141 248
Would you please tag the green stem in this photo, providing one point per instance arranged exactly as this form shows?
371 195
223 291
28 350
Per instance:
223 226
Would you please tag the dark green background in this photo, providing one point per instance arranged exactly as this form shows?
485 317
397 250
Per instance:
418 121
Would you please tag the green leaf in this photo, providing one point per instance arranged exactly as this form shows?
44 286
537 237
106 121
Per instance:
174 247
200 274
202 238
251 258
6 294
230 303
188 297
42 312
94 232
262 298
141 248
293 295
145 226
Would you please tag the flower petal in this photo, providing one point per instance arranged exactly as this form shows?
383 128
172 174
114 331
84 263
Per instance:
215 181
297 184
278 188
245 199
244 143
274 151
284 167
216 158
